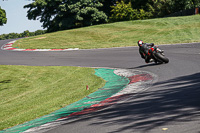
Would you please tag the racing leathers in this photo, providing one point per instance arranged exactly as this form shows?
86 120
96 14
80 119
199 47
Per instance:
145 51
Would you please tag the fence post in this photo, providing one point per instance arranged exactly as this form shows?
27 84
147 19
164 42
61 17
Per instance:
196 10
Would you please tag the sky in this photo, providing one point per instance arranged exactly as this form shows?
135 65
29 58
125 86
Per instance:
17 22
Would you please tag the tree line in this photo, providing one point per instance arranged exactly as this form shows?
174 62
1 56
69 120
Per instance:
67 14
145 9
21 35
56 15
3 18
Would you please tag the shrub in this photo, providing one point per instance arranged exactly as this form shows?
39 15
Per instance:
125 12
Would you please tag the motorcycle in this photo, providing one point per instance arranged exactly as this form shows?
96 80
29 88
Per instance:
158 55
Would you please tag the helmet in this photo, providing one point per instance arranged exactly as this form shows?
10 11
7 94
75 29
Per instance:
140 42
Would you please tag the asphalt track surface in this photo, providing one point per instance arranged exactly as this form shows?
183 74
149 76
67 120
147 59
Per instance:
171 105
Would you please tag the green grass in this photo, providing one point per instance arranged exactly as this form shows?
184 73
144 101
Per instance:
28 92
121 34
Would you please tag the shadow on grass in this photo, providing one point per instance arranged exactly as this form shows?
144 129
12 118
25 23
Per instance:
177 100
4 82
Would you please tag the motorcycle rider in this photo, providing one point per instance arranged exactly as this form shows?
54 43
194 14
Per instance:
145 50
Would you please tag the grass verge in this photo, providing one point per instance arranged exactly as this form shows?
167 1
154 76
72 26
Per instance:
28 92
160 31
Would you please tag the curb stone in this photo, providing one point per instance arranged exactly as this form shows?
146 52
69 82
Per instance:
8 46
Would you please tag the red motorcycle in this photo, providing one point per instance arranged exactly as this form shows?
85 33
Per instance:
157 55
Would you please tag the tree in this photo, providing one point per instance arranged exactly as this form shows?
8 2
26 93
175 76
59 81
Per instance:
124 12
65 14
178 5
26 33
196 3
160 8
138 4
39 32
106 8
3 19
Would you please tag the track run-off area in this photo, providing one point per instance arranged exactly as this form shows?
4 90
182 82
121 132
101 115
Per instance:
170 104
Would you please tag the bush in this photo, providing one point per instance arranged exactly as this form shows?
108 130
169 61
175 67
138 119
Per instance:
125 12
144 15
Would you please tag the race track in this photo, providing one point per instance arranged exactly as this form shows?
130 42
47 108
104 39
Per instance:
171 105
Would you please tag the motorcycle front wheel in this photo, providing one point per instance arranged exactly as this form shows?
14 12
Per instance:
161 58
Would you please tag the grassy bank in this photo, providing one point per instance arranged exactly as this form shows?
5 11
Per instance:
28 92
160 31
